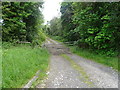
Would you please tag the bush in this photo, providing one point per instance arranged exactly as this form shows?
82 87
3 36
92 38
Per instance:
6 45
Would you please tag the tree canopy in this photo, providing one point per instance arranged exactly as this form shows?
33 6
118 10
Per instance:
92 25
95 25
22 21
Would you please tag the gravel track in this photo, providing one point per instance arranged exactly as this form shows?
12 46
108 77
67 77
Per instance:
63 75
102 76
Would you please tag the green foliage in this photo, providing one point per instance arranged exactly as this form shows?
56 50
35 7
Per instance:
39 38
58 38
92 25
6 45
13 27
20 64
21 21
66 21
55 27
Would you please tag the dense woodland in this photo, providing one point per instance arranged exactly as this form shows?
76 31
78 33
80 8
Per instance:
22 21
95 25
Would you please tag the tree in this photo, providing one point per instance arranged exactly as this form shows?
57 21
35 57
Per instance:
23 23
93 25
55 27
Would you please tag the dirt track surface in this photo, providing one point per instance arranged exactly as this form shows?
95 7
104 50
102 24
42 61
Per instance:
62 73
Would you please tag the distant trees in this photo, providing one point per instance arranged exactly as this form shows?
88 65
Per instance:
22 21
55 27
92 25
66 21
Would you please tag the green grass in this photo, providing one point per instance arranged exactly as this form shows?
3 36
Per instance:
39 80
108 61
21 63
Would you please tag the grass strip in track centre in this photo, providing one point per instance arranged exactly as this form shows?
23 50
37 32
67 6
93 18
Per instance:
108 61
20 64
77 67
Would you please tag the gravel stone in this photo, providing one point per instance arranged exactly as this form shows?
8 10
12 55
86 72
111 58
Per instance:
63 75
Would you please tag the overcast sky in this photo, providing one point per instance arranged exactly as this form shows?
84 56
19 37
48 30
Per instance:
51 9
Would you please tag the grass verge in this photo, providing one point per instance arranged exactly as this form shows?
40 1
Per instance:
20 64
108 61
41 78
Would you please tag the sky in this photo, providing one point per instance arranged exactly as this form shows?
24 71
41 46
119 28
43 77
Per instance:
51 9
